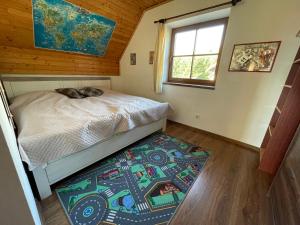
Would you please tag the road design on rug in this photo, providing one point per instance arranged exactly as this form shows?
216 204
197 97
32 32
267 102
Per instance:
143 184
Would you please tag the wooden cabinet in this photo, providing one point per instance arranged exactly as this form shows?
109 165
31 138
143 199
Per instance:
284 122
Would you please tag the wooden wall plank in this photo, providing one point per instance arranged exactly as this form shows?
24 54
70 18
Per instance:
18 54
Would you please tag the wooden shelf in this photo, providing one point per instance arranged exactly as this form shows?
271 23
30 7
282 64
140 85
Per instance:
291 77
278 110
261 153
275 117
266 140
271 130
283 97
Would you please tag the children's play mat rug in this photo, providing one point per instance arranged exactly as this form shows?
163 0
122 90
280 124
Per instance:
142 184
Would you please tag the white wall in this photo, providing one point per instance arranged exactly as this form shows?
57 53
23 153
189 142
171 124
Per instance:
242 104
17 204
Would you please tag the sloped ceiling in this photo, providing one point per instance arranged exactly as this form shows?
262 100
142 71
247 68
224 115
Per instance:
18 54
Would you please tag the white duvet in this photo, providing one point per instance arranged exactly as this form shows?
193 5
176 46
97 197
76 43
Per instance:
51 125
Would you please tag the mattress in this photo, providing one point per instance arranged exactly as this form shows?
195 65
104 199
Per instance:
52 126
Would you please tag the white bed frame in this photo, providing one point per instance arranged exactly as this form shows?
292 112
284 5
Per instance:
59 169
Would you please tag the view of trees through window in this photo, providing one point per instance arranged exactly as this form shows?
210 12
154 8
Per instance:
196 51
203 67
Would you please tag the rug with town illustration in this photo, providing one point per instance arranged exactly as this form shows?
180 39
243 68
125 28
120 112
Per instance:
143 184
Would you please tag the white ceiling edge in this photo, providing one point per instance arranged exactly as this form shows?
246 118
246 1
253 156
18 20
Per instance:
218 14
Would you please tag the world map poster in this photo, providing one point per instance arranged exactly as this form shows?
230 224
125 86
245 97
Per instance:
62 26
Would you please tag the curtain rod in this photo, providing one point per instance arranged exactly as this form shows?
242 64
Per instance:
233 3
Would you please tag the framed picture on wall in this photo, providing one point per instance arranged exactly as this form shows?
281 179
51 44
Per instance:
132 58
254 57
151 57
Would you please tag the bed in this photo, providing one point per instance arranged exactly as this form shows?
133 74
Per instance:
59 136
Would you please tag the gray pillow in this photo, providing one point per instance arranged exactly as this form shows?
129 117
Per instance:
91 92
70 92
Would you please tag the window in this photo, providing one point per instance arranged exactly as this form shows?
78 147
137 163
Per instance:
195 53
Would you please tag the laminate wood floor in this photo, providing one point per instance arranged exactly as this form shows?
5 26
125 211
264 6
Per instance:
229 191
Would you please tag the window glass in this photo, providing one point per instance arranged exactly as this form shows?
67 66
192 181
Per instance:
196 51
182 67
184 43
209 40
204 67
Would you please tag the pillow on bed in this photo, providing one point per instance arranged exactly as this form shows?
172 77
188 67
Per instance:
90 92
70 92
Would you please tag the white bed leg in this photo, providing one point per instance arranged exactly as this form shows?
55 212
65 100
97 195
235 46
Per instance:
164 125
42 182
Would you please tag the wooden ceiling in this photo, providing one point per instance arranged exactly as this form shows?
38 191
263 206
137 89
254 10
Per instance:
18 54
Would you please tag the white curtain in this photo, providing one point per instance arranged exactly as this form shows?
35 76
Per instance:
159 58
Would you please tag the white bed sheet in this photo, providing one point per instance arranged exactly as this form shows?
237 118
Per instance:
51 125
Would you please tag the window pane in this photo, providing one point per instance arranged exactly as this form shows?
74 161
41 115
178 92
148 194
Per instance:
204 67
182 67
209 39
184 43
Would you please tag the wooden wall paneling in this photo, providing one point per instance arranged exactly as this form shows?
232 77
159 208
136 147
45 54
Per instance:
18 54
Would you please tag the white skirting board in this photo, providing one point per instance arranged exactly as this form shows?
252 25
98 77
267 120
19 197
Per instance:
61 168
